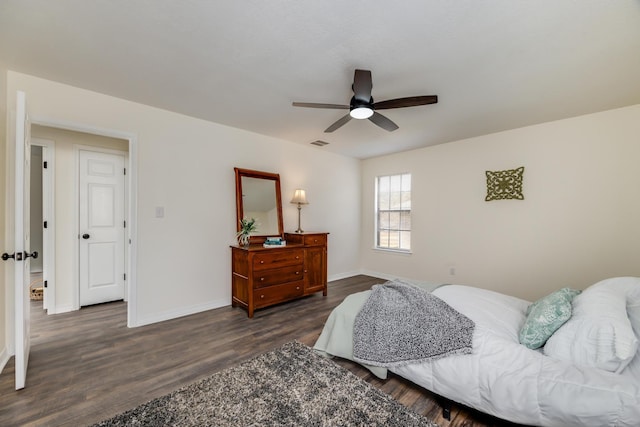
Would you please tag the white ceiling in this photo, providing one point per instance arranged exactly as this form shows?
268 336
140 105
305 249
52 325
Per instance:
495 64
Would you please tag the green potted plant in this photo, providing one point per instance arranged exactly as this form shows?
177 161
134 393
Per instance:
247 226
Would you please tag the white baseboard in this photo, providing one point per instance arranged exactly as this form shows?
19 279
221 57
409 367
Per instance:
385 276
371 273
342 275
186 311
173 314
62 309
4 358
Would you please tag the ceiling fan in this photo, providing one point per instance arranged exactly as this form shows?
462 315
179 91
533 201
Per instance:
363 107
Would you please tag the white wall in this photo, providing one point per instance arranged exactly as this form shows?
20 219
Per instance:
186 166
578 223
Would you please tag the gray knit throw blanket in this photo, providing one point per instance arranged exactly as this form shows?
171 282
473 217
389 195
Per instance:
401 324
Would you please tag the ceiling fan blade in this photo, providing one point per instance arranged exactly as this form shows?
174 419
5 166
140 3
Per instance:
383 122
412 101
315 105
362 85
341 122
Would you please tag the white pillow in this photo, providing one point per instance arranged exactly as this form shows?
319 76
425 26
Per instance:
600 332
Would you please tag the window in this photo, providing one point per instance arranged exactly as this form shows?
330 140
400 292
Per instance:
393 212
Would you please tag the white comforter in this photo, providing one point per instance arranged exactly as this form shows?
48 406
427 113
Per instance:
510 381
504 378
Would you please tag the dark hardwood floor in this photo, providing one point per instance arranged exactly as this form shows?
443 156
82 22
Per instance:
87 365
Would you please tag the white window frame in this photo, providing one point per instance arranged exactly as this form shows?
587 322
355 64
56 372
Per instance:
406 188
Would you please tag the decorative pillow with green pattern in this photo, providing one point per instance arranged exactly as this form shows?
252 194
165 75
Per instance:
545 316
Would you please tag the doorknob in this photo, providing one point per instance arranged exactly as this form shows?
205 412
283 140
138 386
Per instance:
17 256
6 256
85 236
33 255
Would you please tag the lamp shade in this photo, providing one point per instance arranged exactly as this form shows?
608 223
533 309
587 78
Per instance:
299 197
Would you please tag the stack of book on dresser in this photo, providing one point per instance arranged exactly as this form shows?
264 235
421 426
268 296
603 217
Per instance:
274 242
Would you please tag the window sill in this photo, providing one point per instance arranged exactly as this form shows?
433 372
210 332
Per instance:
395 251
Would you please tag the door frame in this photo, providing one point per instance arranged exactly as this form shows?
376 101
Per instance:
131 196
48 214
77 148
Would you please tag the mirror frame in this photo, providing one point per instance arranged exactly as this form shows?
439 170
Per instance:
257 238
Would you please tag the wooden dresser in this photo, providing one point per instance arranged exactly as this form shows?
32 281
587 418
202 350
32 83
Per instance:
266 276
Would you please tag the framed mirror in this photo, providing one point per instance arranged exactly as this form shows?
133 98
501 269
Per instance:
258 196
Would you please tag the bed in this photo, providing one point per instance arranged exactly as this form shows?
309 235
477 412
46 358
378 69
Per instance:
549 386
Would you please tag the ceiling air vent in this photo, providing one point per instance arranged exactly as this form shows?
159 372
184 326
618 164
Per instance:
319 143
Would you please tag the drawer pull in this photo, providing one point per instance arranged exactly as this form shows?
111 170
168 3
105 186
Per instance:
297 257
261 261
297 272
315 240
297 288
262 279
261 296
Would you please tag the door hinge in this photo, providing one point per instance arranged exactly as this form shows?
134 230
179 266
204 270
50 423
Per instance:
46 284
45 224
44 164
125 276
125 171
125 223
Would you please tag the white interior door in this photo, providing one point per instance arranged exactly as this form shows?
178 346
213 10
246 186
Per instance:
102 227
22 252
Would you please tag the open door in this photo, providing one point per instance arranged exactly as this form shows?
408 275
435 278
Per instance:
21 229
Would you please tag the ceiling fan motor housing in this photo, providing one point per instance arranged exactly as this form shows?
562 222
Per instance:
357 103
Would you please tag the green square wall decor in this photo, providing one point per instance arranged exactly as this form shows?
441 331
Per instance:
505 184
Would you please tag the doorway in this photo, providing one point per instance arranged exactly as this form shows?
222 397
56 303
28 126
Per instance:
42 222
70 247
19 219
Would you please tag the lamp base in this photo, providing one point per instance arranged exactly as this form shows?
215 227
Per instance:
299 230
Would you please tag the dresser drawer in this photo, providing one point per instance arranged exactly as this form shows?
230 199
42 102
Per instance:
264 278
278 258
277 293
315 240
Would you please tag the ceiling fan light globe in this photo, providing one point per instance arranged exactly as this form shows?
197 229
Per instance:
361 113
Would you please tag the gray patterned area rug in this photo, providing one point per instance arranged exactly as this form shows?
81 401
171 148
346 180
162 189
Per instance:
289 386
